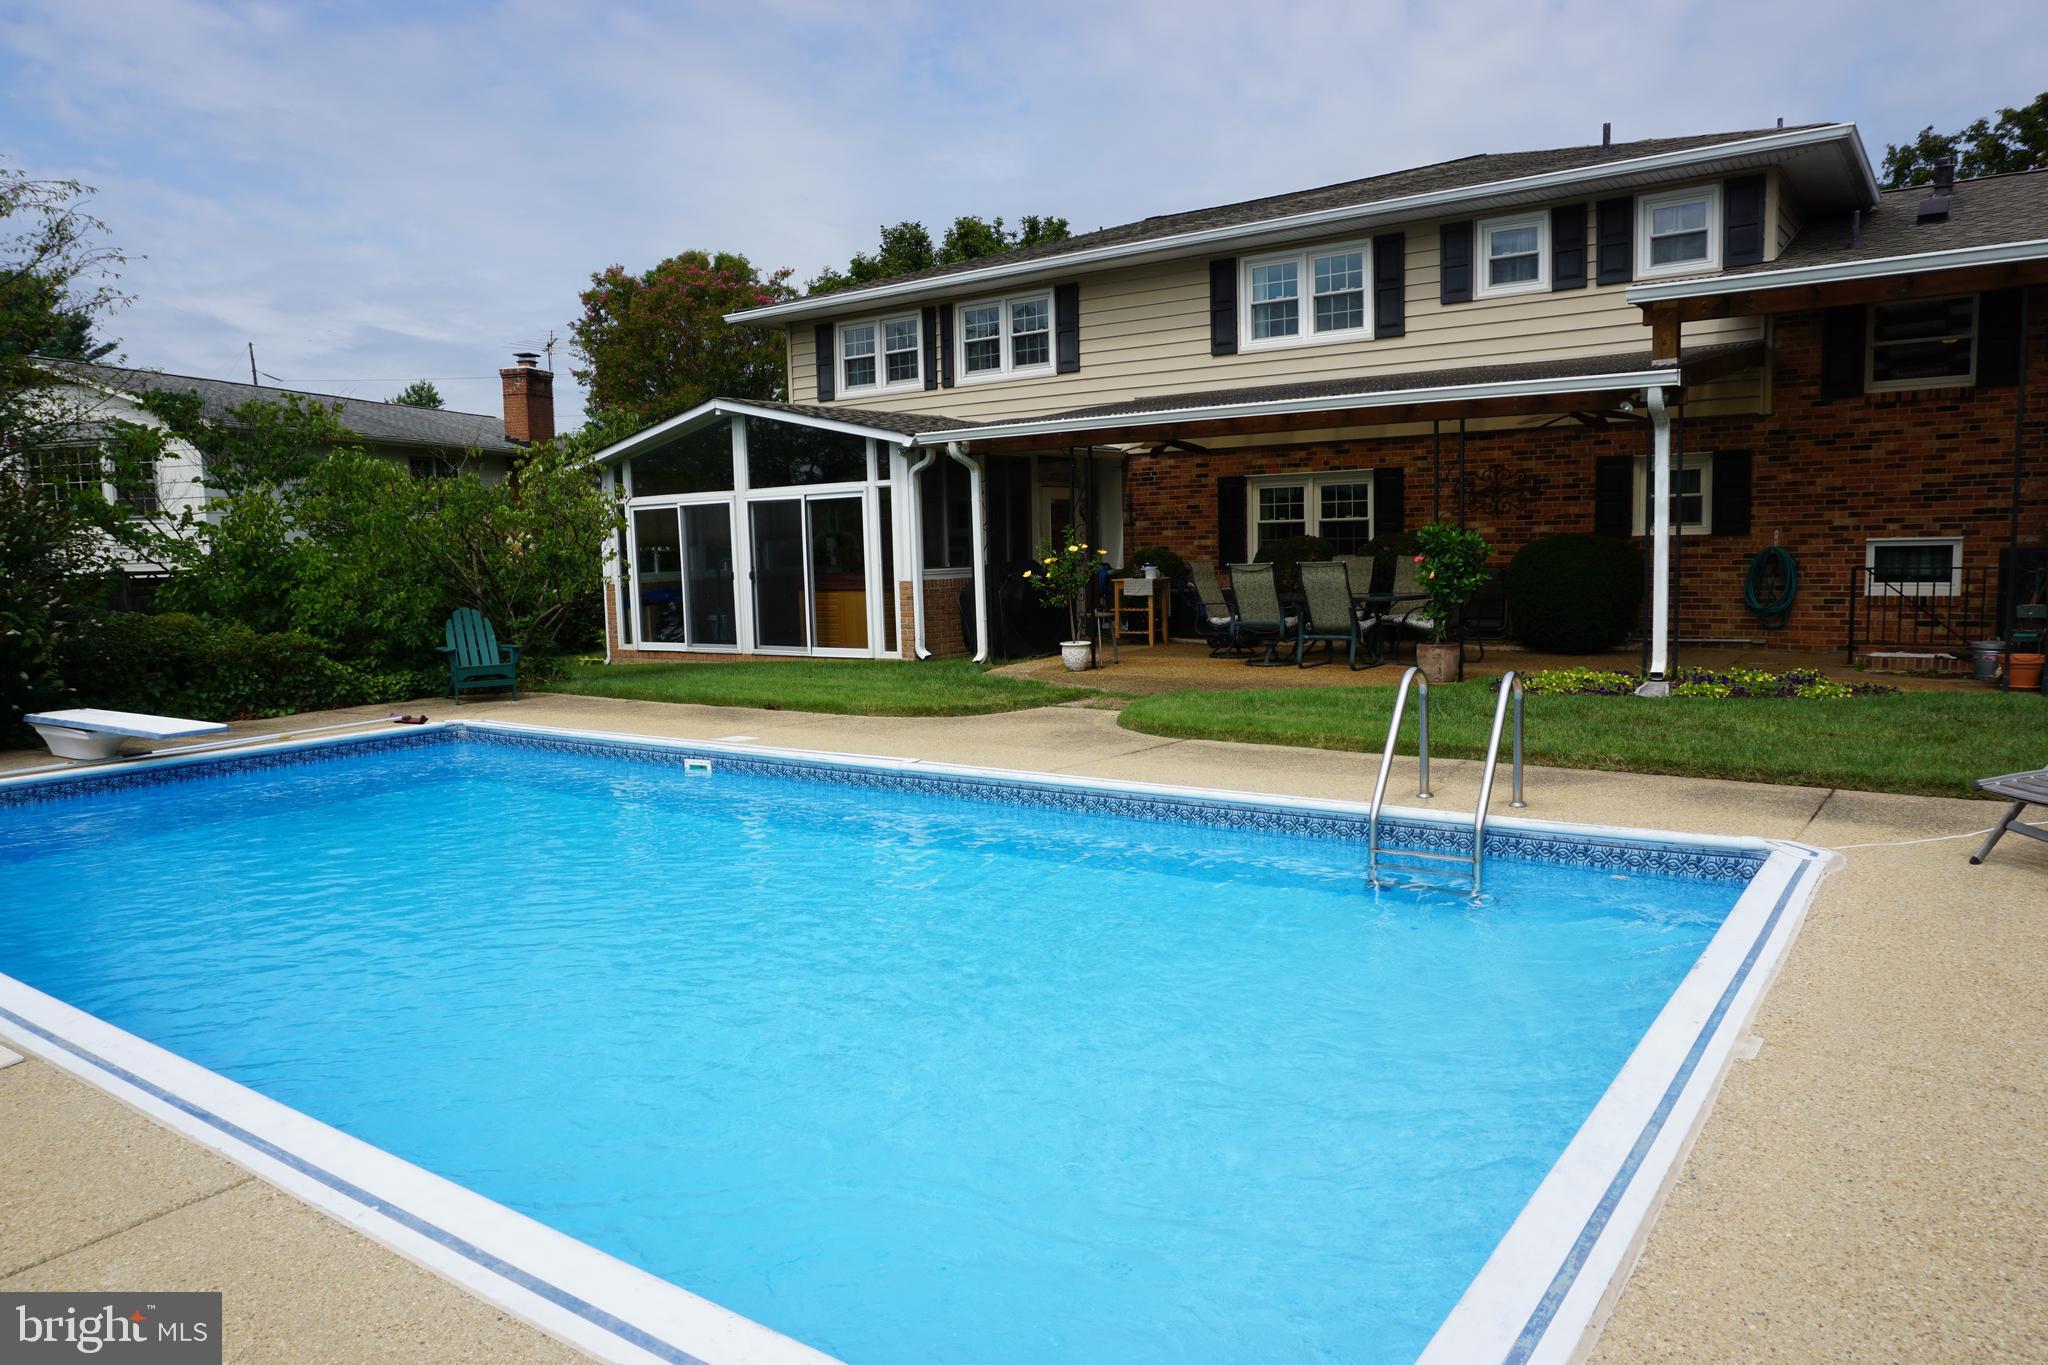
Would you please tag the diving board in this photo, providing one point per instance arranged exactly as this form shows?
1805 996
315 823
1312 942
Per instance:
89 733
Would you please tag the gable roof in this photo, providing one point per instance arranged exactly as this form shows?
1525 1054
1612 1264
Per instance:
1439 188
866 422
378 423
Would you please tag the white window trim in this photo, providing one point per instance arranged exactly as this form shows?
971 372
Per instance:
1311 483
1948 589
1700 460
1482 288
1952 381
1009 370
1305 277
1646 203
881 325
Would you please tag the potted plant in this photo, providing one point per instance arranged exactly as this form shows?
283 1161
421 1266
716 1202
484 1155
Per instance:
1452 563
1064 569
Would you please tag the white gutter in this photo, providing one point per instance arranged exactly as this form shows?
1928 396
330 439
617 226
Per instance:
977 499
1409 206
1619 380
1660 547
1959 258
916 500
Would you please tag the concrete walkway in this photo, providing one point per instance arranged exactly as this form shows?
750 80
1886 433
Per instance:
1872 1186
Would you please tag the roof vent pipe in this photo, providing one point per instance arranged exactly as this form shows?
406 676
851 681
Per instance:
1856 228
1607 139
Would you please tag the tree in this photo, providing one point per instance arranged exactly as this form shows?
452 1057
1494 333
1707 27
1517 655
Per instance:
907 248
56 277
421 393
657 343
2016 141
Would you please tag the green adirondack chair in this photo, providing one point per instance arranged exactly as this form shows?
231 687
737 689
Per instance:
475 658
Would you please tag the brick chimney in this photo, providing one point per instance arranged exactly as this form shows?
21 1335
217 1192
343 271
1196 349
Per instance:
529 400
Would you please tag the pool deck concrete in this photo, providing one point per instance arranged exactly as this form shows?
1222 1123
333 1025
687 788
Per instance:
1873 1185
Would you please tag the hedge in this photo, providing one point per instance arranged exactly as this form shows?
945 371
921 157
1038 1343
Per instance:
1575 594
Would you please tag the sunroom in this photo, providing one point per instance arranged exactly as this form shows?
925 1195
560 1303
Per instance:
786 529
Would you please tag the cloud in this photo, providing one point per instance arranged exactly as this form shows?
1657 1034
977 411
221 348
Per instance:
376 195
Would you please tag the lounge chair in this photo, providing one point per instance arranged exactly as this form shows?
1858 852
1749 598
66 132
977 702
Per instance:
1260 618
475 658
1331 615
2023 790
1218 618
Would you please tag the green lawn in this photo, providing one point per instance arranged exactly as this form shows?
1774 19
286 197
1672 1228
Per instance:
1930 743
851 687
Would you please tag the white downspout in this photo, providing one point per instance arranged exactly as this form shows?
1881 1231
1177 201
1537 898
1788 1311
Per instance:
915 487
1660 546
977 500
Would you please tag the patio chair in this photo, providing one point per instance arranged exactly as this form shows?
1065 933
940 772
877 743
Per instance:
475 658
1331 616
1403 612
1260 618
1218 619
2023 790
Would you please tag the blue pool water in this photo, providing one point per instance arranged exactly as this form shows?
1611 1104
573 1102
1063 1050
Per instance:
908 1078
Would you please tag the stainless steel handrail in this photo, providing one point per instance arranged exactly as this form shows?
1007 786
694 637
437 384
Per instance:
1510 683
1412 678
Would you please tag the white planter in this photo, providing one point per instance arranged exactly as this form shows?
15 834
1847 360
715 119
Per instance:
1074 654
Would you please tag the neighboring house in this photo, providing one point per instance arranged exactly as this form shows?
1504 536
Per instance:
431 442
1531 343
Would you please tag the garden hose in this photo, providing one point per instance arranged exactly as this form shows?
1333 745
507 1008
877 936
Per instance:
1775 563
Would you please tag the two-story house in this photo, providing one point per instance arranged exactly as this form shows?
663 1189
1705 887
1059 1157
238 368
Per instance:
1717 344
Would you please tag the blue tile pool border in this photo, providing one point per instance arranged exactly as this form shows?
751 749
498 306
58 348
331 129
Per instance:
1593 851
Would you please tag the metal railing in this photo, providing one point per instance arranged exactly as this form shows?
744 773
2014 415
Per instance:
1511 686
1947 617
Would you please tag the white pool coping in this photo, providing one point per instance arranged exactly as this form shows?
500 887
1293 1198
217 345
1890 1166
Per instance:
1541 1296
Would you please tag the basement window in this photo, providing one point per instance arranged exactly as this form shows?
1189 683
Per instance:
1924 567
1922 344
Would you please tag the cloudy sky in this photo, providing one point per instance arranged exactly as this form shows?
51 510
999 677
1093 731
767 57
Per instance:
377 193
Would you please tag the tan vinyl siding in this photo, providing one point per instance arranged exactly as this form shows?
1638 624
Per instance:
1145 331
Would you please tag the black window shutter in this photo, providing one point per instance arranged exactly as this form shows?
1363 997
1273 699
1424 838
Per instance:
1223 306
1614 496
1230 513
1454 271
1616 229
823 333
1730 515
1390 284
1389 502
1742 220
1066 318
930 323
946 345
1998 339
1568 247
1841 351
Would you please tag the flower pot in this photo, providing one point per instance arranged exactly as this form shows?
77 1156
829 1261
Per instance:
1440 662
1074 654
2023 671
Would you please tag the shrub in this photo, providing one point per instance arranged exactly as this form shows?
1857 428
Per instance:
177 664
1453 565
1575 594
1286 554
1169 564
1809 684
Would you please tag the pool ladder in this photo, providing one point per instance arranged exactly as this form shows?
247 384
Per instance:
1375 856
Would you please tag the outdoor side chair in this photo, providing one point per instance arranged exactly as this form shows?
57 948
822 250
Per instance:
1261 621
2023 790
1218 617
1331 615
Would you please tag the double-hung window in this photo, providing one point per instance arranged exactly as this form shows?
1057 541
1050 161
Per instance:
1311 295
880 353
1678 232
1336 507
1006 336
1513 254
1692 479
1922 344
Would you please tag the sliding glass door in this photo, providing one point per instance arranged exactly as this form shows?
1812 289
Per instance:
839 575
781 587
682 577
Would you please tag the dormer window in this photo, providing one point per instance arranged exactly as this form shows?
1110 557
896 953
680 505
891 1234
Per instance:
1000 337
1313 295
1513 254
1678 232
880 353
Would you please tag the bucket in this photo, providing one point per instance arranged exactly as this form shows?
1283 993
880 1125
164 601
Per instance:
2024 672
1985 657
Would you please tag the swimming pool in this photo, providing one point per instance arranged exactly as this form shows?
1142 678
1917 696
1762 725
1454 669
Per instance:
906 1063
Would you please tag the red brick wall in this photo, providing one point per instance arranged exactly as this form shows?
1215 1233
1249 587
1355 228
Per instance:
944 634
1827 475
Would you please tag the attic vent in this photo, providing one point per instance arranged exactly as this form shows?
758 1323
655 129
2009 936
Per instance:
1934 208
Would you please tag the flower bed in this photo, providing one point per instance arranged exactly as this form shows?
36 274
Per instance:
1808 684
